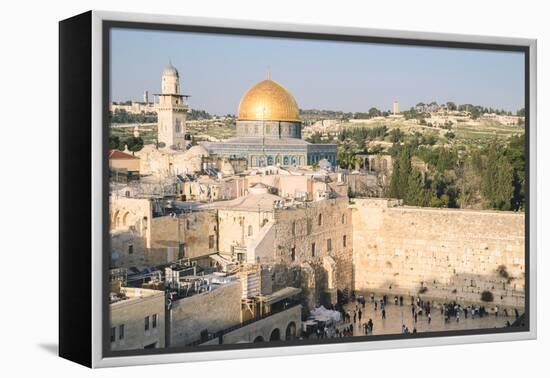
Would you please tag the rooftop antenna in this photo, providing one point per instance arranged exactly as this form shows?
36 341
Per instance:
268 73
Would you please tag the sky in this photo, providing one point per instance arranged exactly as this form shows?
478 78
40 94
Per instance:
216 70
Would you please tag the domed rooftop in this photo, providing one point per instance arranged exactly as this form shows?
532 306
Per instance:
170 70
268 101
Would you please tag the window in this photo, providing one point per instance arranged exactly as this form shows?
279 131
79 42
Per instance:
113 334
211 241
312 249
344 241
343 218
249 230
130 249
294 228
329 245
146 323
320 220
309 226
121 332
293 253
187 224
155 320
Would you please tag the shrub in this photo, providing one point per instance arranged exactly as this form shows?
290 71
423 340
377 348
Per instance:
422 290
487 296
501 270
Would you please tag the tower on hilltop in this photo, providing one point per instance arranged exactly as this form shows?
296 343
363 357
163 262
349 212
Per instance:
171 110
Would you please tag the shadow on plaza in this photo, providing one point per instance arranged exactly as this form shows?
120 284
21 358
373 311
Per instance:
463 288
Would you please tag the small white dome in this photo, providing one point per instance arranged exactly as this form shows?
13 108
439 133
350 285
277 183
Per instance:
325 164
170 70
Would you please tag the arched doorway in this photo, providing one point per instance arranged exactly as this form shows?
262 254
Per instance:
275 335
290 331
259 339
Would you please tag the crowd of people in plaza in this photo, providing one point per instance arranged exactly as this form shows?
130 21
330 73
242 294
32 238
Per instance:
355 318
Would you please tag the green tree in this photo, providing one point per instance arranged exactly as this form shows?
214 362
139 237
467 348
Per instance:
450 135
515 154
451 105
396 135
415 194
400 173
374 112
497 184
115 143
134 144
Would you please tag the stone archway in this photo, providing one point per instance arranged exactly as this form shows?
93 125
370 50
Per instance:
115 221
259 339
290 331
275 335
125 219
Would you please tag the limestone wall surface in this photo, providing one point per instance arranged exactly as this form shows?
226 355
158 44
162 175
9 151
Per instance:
131 314
215 311
453 254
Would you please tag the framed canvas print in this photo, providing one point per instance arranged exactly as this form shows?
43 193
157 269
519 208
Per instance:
233 189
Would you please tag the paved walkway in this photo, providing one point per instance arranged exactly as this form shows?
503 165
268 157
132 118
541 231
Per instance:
397 315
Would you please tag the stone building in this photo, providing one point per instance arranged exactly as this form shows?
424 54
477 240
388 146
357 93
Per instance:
269 131
141 237
263 228
194 317
122 162
136 318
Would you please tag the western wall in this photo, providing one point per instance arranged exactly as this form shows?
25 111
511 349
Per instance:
444 254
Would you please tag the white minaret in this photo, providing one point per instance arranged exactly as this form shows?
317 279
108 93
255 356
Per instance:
171 110
395 108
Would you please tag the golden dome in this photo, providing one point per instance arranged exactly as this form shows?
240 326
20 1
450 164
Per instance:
268 101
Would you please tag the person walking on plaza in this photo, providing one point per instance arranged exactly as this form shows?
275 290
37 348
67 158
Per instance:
375 306
383 314
370 324
415 317
360 315
429 318
355 316
400 300
496 311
